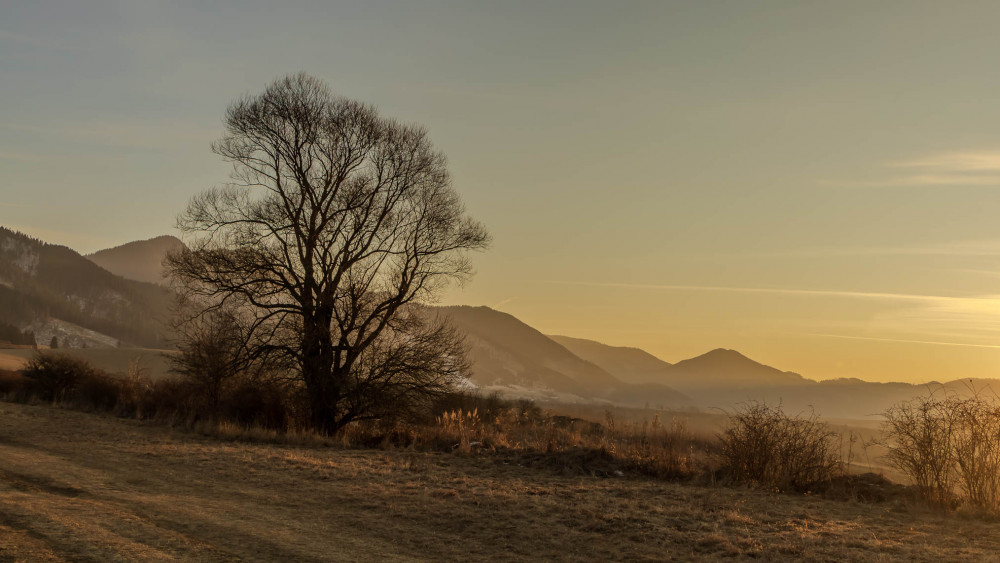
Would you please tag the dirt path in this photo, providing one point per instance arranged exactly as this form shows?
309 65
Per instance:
82 487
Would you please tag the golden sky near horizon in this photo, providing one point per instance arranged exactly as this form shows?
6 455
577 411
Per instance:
814 184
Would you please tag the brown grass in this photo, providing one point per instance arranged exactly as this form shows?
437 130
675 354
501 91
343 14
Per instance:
78 486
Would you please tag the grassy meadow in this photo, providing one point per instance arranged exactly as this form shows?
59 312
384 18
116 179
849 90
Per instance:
83 486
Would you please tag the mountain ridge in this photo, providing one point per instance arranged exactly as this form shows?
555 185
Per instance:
505 351
140 260
48 287
43 283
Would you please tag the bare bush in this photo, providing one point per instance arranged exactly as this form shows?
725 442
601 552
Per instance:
764 445
977 452
52 375
919 435
97 391
13 385
947 445
210 348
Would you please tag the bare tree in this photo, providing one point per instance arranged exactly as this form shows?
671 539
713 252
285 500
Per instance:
211 347
337 220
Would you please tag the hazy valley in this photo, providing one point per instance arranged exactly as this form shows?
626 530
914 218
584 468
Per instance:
105 301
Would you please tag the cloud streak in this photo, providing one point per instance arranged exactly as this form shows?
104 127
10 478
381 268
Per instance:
902 340
779 291
920 319
976 168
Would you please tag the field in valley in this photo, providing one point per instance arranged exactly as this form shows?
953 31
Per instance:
78 486
154 363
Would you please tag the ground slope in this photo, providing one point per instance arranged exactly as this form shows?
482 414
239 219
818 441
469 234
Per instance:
81 487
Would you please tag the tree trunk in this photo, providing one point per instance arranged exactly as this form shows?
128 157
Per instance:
323 410
318 372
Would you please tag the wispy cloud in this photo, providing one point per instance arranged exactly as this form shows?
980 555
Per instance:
502 303
985 247
902 340
975 168
776 291
893 317
969 161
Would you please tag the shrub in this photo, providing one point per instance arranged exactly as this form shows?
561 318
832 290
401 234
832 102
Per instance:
919 435
14 386
946 443
763 445
254 403
95 391
52 375
977 452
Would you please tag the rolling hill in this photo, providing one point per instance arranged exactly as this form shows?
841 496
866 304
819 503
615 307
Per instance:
139 260
54 291
628 364
507 352
725 378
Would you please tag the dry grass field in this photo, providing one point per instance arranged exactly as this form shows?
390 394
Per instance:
85 487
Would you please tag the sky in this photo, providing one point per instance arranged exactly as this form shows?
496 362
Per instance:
814 184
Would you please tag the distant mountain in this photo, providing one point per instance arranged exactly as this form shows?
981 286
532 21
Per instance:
631 365
504 350
507 352
717 368
726 378
140 260
723 368
54 291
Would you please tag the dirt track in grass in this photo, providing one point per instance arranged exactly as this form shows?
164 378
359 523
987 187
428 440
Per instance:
77 486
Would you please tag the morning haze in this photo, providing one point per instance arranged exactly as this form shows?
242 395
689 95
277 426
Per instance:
812 184
499 281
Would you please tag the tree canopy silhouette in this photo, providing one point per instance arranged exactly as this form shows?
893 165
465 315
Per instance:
337 226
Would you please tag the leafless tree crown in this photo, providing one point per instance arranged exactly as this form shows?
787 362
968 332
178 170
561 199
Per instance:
336 220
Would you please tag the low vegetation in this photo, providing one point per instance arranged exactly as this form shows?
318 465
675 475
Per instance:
947 446
764 445
761 445
950 448
91 487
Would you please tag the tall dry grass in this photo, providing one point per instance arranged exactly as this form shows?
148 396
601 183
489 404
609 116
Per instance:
760 445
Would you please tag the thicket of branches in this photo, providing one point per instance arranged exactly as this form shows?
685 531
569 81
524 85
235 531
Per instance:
764 445
338 225
949 447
